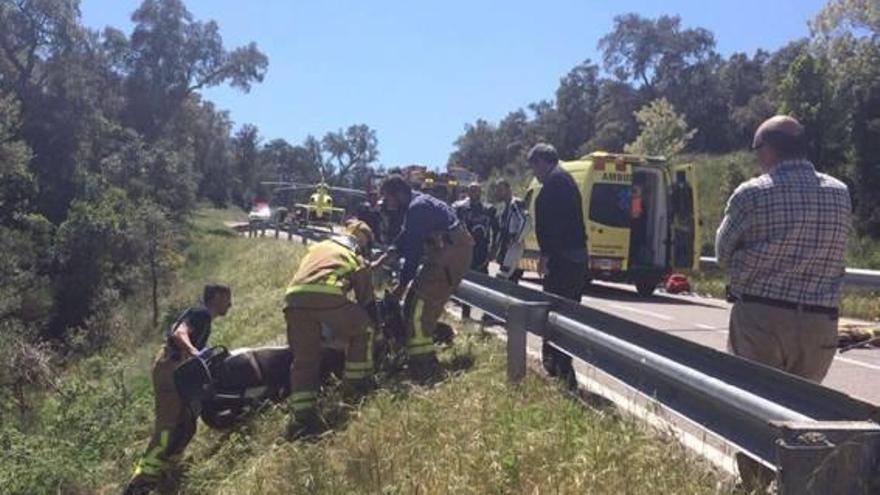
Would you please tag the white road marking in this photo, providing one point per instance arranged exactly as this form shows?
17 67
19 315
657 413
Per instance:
858 363
652 314
707 327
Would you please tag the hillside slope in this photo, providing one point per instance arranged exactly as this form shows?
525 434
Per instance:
470 434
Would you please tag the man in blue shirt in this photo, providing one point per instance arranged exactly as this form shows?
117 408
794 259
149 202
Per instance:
431 237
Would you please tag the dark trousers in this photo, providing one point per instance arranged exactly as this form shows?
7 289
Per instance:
565 279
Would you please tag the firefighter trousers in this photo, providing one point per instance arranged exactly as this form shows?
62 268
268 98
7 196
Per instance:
304 314
447 259
175 422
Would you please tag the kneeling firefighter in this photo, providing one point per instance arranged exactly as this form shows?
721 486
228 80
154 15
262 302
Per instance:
317 296
175 417
432 237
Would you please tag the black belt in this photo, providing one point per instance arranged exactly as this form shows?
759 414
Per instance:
807 308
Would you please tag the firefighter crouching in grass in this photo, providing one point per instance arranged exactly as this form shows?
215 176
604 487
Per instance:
175 419
431 237
316 296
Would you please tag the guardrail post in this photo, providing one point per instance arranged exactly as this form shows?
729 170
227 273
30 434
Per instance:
837 457
521 319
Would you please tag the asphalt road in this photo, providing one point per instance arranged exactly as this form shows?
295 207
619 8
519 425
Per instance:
705 321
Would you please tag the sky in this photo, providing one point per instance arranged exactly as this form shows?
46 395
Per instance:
417 72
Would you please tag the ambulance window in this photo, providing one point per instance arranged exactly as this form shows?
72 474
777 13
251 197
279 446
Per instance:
609 204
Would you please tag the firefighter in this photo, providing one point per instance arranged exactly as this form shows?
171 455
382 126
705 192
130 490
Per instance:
316 296
175 422
431 237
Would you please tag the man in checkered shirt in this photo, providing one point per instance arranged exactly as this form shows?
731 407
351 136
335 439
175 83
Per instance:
782 243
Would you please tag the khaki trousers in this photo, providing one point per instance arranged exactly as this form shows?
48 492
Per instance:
175 422
444 266
798 342
304 313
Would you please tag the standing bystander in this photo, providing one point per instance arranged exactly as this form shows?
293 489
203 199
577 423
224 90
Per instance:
512 229
782 242
480 221
562 238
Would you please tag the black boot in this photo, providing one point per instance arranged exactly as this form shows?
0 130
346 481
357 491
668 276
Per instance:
305 425
355 390
425 369
139 486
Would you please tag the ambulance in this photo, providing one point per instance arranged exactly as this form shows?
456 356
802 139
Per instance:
641 217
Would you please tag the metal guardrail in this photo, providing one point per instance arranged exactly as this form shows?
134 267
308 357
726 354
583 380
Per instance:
818 440
855 277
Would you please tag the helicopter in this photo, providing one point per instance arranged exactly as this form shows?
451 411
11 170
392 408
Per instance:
319 210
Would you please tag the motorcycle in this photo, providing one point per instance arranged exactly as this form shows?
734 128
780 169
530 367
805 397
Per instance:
225 387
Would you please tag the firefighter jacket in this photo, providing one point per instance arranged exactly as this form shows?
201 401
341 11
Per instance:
332 267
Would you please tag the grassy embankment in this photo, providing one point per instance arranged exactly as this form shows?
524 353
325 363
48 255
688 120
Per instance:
471 434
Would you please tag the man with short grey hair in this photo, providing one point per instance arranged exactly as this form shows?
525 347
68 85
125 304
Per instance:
782 242
562 238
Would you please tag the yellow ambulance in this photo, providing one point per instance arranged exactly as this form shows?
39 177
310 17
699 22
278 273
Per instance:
641 217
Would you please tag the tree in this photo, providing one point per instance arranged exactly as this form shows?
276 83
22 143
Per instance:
663 131
615 121
158 249
248 168
170 56
479 149
647 51
744 84
356 147
17 188
576 102
847 34
807 94
841 16
30 33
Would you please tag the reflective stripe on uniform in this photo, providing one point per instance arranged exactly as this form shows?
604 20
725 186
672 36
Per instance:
370 335
358 365
418 331
303 400
151 464
357 374
419 343
314 288
350 263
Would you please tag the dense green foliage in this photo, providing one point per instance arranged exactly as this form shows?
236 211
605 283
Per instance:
106 147
830 81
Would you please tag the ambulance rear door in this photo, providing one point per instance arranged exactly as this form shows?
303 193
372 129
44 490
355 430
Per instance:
684 228
609 187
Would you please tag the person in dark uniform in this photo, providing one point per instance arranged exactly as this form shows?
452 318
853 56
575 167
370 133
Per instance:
175 419
437 252
562 238
368 212
392 221
480 221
